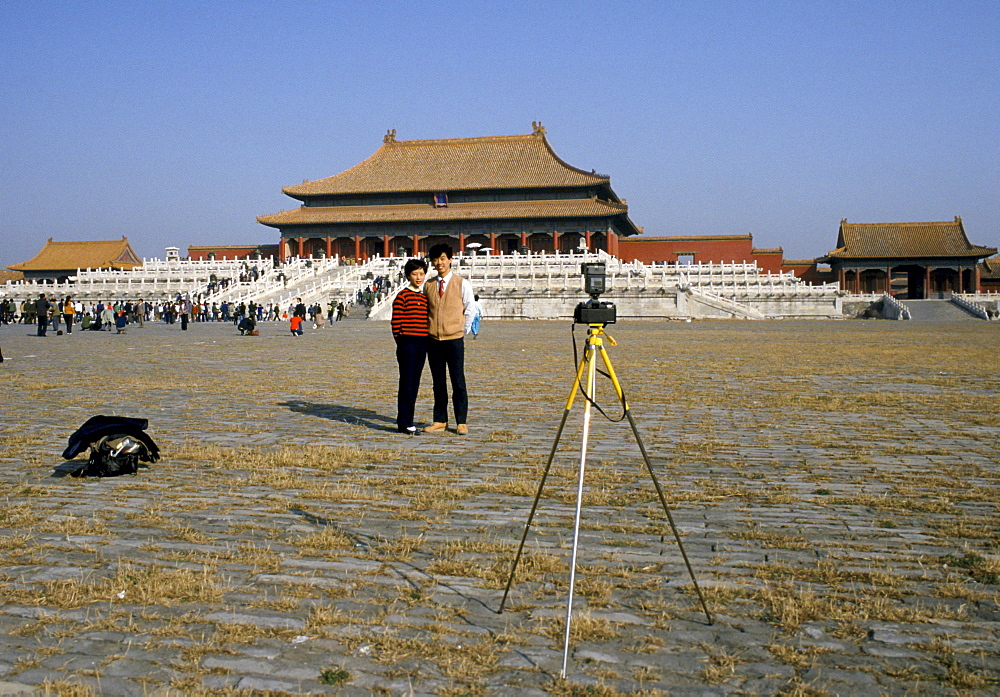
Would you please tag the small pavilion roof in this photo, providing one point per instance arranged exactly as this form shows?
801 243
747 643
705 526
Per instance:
99 254
487 210
990 268
454 164
905 240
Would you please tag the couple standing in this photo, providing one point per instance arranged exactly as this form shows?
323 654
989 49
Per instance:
429 321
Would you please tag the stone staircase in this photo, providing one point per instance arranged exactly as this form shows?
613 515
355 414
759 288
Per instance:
937 311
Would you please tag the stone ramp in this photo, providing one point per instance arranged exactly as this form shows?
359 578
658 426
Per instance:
937 311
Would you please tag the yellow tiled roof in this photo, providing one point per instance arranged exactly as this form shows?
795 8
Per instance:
454 164
898 240
62 256
990 268
488 210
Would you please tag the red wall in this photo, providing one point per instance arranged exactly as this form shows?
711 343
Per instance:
710 248
718 249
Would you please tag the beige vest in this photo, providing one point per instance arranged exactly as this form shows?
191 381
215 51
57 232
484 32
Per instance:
447 312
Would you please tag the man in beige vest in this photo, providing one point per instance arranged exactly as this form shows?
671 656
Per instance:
452 307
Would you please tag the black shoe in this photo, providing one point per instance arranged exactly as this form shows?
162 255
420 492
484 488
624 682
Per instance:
410 430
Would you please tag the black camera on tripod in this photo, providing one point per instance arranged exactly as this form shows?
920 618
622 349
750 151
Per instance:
595 282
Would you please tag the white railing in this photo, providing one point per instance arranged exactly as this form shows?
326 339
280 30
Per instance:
893 309
967 303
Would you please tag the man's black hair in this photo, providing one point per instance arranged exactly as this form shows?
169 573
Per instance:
413 264
439 249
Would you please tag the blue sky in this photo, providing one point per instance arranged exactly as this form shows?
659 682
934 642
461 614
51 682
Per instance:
177 123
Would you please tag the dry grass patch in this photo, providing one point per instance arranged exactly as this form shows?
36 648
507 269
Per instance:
65 688
320 457
324 540
468 662
583 627
131 584
721 665
790 606
72 525
20 515
799 657
774 540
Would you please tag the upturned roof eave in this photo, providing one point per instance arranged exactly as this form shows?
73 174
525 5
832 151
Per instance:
308 189
301 196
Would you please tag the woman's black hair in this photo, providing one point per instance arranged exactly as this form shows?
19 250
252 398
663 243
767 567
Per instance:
412 265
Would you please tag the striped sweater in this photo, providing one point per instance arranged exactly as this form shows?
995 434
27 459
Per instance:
409 313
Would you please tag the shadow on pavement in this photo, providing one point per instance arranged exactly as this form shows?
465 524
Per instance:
347 415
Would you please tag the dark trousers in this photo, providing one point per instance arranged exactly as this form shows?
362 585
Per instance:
69 323
411 352
184 321
448 356
43 324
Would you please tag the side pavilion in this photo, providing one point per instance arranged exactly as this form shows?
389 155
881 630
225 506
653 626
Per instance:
501 193
57 261
922 259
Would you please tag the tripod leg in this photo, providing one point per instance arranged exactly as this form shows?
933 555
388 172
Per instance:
541 484
656 482
591 357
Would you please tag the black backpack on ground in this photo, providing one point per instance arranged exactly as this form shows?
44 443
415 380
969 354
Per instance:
117 445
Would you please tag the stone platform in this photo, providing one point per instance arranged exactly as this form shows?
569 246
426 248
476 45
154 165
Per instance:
836 485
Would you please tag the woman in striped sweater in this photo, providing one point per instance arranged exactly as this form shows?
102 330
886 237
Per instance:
409 329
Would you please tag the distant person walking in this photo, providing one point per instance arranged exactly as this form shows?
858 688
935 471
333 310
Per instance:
477 319
69 313
42 309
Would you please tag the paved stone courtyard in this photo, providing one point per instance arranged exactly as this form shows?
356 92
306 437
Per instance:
837 486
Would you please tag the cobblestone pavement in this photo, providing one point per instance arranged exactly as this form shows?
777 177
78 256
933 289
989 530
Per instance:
836 485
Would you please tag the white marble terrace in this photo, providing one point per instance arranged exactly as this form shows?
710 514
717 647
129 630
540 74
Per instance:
510 285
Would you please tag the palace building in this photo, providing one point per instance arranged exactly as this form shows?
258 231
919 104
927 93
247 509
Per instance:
911 260
500 193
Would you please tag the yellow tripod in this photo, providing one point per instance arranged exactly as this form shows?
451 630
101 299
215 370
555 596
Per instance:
588 366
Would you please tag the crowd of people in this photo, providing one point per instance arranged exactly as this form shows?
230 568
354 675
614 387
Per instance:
54 313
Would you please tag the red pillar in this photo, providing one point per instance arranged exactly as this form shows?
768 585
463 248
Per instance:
493 242
888 280
416 245
281 250
927 282
977 279
461 242
302 247
555 241
842 278
586 236
524 240
385 245
329 247
357 247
